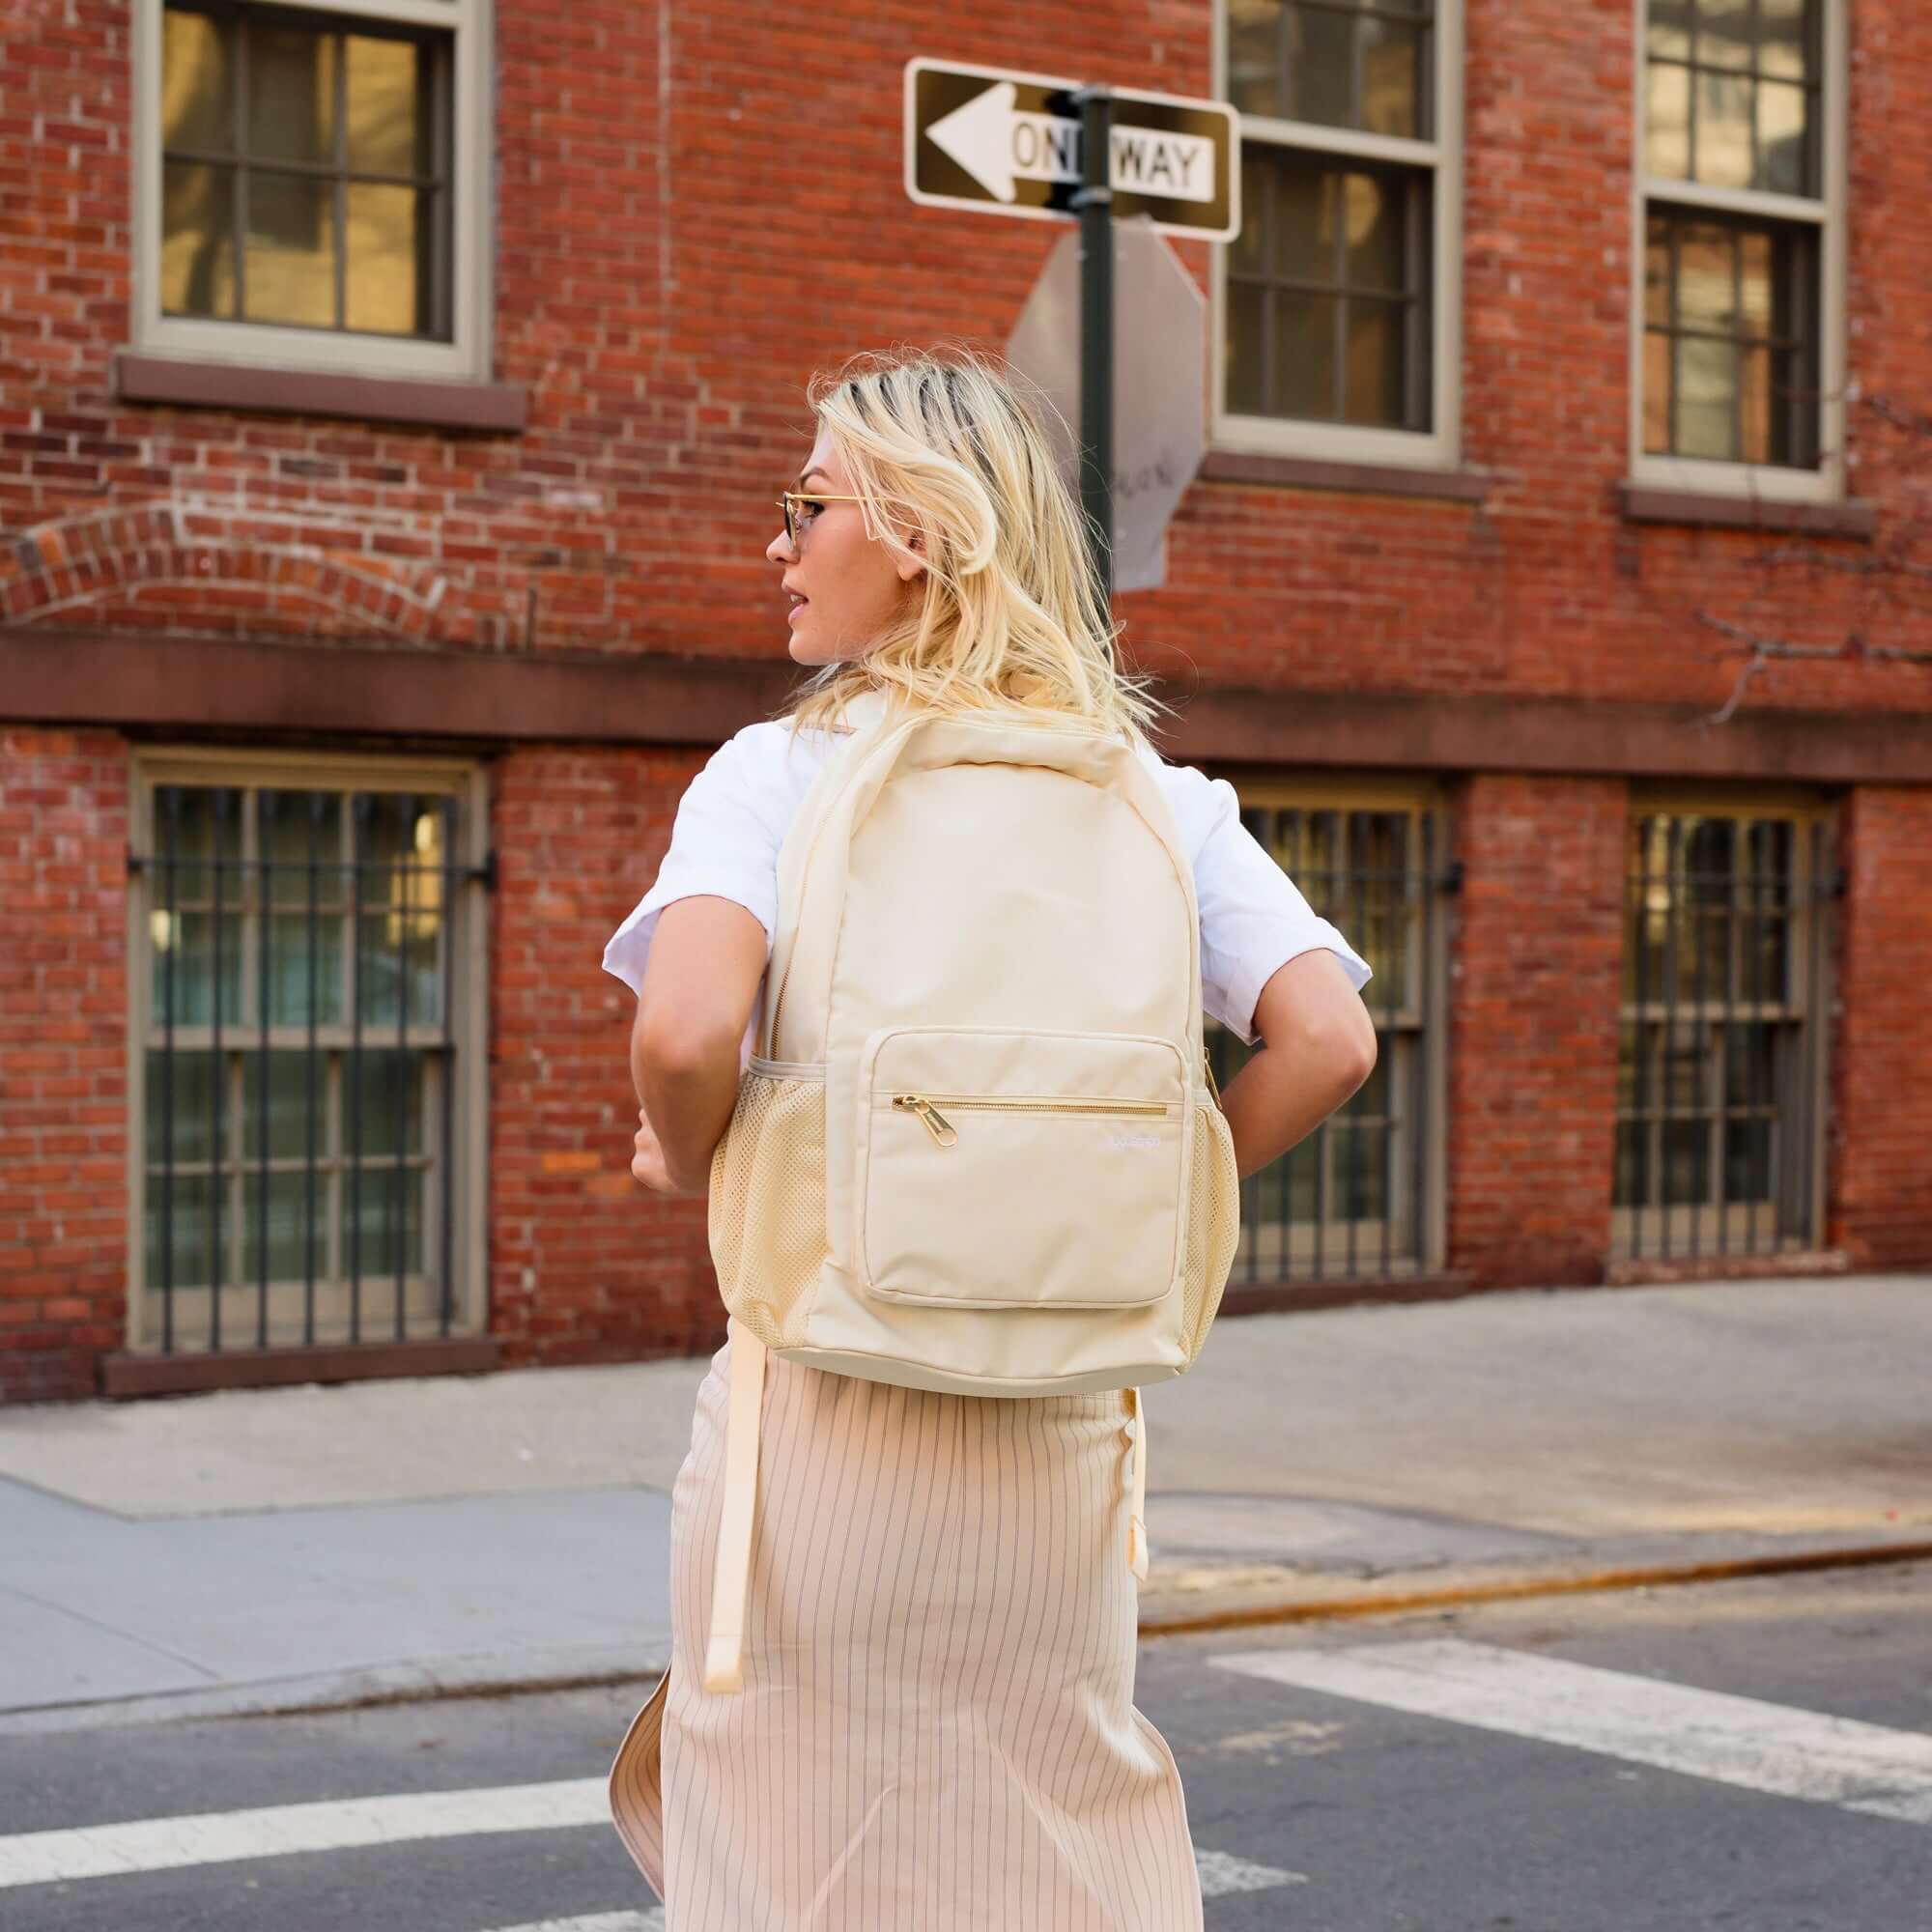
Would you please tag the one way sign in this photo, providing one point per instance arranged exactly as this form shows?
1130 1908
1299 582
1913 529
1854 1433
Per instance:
1007 143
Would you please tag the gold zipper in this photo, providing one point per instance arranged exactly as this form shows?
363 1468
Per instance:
946 1134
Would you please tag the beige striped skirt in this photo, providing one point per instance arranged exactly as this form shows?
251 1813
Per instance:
937 1731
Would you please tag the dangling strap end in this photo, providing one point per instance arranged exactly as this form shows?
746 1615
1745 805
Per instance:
1137 1542
724 1651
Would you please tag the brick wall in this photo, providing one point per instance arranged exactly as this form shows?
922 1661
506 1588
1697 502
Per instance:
63 1058
1533 1029
584 1265
1881 1172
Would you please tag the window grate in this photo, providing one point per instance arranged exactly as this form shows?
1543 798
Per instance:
1721 1039
1358 1199
297 1172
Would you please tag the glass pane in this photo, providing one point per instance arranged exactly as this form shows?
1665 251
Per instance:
391 1089
292 1236
184 968
1706 256
1782 42
181 1091
197 85
1667 122
1768 969
1304 348
1755 283
291 93
1360 1180
1750 1070
1724 156
1392 79
1757 423
1254 42
1657 273
1748 1160
198 239
1374 232
1707 381
388 106
1724 33
1632 1185
1245 253
1657 393
305 969
1686 1162
1374 368
190 822
1245 350
1670 29
289 1109
186 1210
386 1214
1321 67
293 828
1709 848
1305 220
291 267
387 233
402 889
1783 150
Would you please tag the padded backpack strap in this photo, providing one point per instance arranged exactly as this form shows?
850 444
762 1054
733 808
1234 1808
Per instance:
1137 1542
724 1654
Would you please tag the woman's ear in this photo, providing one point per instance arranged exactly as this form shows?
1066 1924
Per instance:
910 567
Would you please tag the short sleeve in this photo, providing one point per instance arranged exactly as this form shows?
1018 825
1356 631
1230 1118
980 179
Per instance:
1253 917
724 843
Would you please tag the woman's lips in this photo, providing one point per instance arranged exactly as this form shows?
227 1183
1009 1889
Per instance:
791 615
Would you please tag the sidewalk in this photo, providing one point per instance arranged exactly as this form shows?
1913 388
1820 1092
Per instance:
278 1548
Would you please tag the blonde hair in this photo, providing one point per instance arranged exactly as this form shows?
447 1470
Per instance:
939 441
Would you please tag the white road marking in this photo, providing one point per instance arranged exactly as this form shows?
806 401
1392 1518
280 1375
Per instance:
1730 1739
333 1825
1221 1872
599 1921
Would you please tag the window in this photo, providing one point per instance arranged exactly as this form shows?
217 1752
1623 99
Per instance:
307 1094
310 184
1361 1197
1337 307
1720 1057
1738 377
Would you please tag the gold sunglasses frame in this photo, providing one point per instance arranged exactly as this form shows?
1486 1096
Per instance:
792 497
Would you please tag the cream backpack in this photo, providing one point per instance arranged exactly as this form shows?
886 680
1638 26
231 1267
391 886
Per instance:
979 1148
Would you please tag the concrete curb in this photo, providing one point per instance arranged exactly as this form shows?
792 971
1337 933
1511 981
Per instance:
1304 1597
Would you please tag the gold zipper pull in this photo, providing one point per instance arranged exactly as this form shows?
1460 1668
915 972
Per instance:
936 1123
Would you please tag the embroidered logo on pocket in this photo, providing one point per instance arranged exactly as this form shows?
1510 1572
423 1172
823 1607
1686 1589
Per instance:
1133 1140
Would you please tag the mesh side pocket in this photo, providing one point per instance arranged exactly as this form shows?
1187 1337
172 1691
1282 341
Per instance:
767 1207
1214 1225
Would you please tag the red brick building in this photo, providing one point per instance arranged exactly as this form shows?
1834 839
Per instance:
392 398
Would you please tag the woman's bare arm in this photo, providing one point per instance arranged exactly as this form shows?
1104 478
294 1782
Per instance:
1318 1045
707 956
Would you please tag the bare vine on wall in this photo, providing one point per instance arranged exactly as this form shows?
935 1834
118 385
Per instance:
1891 582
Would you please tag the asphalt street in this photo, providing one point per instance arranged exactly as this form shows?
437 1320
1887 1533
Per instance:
1753 1755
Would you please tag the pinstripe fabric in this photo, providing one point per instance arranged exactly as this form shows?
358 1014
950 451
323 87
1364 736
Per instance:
937 1731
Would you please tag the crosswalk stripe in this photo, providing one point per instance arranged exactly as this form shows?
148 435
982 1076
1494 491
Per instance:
167 1844
334 1825
1711 1734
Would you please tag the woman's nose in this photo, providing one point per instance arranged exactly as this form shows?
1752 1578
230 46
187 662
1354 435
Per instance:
778 550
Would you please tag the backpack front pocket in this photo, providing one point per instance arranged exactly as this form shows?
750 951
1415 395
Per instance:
1016 1169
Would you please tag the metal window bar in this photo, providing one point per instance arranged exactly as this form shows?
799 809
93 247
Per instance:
1352 1201
1723 1036
300 1294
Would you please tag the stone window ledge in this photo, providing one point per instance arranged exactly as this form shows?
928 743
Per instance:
1309 472
140 377
1645 503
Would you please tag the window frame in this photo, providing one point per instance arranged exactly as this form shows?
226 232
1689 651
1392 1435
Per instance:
1708 1231
466 933
468 355
1319 1254
1436 448
1703 475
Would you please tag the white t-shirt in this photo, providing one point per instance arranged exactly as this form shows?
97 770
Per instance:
734 814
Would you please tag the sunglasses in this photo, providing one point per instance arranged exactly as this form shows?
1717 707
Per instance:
790 503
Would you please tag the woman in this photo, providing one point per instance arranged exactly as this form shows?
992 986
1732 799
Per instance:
937 1731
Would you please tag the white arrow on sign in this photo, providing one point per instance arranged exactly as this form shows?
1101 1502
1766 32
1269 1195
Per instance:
998 144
